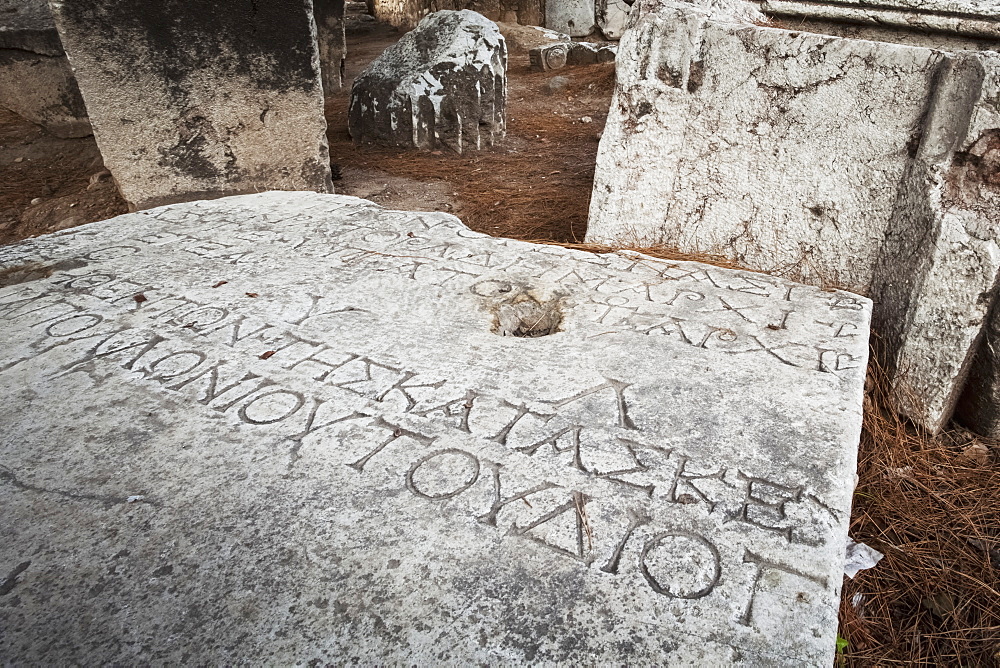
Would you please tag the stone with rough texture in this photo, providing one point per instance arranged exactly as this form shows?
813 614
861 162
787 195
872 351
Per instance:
555 56
611 16
189 103
288 426
974 18
444 84
833 161
332 38
36 81
576 18
549 57
526 38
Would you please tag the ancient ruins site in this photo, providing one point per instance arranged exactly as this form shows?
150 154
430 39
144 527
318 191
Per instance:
568 332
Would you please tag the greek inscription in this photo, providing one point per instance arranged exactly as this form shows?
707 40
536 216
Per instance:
469 462
692 563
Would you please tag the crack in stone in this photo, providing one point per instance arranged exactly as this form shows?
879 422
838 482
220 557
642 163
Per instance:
7 475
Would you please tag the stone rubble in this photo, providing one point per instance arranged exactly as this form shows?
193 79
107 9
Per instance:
291 425
833 161
188 104
444 84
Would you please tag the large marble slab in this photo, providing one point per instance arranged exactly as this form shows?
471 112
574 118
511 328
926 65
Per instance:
292 427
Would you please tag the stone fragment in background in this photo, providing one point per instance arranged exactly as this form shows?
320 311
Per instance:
661 451
611 17
36 80
188 103
521 38
576 18
876 175
332 38
979 19
573 53
582 53
443 84
551 57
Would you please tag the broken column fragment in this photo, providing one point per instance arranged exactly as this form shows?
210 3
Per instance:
189 103
555 56
416 423
36 80
443 84
844 162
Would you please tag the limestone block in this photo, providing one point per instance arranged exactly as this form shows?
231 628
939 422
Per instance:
831 166
551 57
300 426
582 53
188 103
443 84
36 81
973 18
611 16
332 38
576 18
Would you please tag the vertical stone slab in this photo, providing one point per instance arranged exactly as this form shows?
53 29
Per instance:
36 81
849 162
332 39
192 100
611 17
937 275
576 18
302 427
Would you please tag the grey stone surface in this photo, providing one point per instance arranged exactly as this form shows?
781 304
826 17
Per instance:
444 84
549 57
27 25
285 428
189 103
974 18
576 18
840 162
611 16
332 38
555 56
526 38
36 81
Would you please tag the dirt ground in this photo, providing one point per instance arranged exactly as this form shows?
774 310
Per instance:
931 505
534 185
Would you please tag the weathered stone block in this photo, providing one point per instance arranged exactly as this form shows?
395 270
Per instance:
832 165
576 18
188 103
526 38
973 18
611 16
551 57
330 30
296 413
36 81
443 84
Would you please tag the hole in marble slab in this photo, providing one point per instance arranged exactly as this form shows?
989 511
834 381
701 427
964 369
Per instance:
526 317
